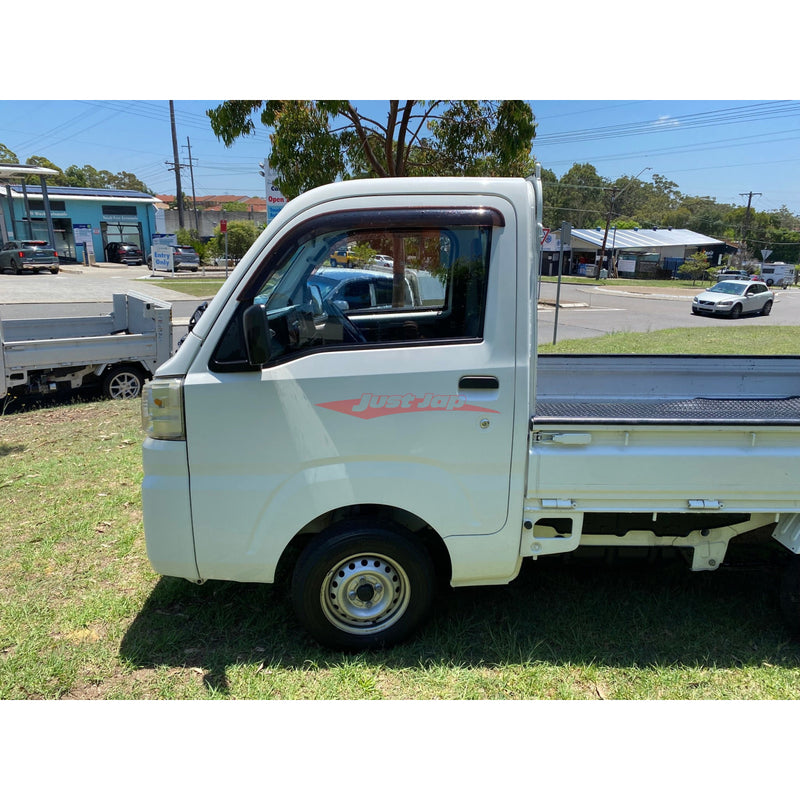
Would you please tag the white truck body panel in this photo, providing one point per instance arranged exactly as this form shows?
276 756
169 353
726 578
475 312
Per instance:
36 351
499 454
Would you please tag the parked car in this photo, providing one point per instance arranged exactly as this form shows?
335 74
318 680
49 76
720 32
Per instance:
734 298
732 275
19 255
380 260
353 289
341 257
124 253
183 257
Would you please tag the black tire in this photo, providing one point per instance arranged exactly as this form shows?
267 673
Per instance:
123 383
736 312
790 594
766 308
362 585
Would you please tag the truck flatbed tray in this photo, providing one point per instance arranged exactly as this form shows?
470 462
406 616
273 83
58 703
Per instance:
783 411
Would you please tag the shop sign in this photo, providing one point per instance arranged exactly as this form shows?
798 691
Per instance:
83 235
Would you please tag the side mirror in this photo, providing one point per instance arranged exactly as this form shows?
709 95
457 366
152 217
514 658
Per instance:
256 335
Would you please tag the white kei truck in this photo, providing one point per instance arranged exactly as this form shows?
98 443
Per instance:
115 352
368 454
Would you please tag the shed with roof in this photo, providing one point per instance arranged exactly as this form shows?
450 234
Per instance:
636 252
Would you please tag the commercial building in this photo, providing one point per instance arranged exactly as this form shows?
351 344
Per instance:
79 222
636 252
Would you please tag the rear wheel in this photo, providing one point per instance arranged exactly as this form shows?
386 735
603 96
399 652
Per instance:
122 383
766 309
361 585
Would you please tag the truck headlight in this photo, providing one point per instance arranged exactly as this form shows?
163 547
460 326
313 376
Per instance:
162 409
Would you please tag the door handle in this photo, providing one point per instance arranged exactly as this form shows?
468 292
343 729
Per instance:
478 382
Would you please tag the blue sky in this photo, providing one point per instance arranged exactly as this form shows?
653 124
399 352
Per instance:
624 89
724 149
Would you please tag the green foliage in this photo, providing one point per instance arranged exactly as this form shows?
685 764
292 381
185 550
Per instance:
7 156
363 253
241 234
52 180
317 142
577 198
694 266
191 238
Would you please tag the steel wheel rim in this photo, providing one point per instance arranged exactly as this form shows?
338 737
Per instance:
365 593
124 386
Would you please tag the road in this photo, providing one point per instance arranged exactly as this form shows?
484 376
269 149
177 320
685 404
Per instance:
585 310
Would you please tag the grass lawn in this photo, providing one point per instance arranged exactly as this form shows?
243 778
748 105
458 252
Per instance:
778 340
197 287
82 615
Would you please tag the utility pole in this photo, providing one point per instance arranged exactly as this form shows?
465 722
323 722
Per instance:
194 196
749 196
614 196
176 165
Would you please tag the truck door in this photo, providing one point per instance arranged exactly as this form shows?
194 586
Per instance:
410 406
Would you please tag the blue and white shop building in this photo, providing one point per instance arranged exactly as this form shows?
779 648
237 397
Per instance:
79 222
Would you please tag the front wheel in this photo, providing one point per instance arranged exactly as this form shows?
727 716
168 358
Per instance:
736 312
122 383
363 585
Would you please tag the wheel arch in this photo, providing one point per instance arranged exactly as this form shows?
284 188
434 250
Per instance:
409 523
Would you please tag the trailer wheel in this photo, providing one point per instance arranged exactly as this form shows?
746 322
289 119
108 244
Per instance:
362 585
790 594
122 383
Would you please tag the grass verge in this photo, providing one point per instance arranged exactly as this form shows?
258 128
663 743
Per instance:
773 340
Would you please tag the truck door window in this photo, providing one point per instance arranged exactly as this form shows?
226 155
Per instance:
428 286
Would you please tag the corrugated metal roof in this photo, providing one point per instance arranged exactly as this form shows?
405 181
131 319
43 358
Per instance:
82 193
631 238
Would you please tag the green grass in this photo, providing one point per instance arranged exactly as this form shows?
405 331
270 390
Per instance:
773 340
82 615
197 287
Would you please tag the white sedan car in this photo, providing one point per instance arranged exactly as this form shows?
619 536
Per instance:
734 298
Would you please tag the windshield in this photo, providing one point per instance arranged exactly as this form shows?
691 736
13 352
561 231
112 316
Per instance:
728 287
